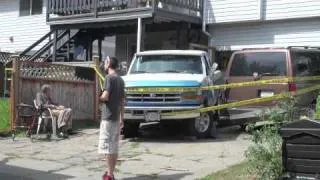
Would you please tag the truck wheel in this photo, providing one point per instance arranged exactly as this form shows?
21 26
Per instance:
201 127
131 129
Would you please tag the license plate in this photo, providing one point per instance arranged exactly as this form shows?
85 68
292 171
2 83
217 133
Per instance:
152 116
266 94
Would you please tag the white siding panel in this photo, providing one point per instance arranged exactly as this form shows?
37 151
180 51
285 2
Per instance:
25 30
282 9
275 34
221 11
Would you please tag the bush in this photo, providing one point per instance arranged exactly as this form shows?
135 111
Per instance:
264 155
4 115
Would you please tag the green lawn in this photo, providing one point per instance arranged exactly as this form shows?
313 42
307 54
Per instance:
235 172
4 115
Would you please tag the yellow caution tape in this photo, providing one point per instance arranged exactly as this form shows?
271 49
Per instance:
245 102
101 78
213 87
98 72
9 69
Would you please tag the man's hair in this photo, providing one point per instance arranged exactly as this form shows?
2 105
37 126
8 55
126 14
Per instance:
45 87
114 63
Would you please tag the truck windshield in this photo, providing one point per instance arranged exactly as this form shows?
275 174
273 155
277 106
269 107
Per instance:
167 64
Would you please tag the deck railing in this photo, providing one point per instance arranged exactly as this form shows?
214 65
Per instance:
76 7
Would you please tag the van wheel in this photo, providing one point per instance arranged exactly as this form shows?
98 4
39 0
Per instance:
131 129
201 127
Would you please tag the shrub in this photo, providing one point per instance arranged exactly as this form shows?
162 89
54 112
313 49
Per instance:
4 115
264 155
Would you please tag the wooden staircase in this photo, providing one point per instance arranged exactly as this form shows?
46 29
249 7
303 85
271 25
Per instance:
55 46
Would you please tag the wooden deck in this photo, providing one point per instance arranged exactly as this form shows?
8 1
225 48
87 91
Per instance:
62 12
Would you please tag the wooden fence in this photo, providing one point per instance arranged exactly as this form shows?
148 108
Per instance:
74 87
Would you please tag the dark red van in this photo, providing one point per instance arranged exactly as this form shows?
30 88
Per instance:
270 63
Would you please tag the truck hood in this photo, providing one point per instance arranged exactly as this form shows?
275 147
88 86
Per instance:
163 80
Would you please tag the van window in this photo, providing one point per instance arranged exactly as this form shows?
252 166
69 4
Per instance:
263 63
167 64
305 63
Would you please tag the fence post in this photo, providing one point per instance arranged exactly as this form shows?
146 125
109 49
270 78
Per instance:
14 90
96 89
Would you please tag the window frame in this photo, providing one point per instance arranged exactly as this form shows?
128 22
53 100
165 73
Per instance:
30 11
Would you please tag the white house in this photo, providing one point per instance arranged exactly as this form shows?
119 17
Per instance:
232 25
237 24
23 22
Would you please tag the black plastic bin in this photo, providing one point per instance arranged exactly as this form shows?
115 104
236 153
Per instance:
301 149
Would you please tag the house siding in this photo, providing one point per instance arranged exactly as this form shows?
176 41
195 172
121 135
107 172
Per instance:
283 9
222 11
25 30
271 34
228 11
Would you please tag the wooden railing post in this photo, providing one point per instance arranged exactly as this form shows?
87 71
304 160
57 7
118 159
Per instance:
95 8
96 89
14 90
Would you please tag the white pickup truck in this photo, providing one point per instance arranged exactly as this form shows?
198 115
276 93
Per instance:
172 68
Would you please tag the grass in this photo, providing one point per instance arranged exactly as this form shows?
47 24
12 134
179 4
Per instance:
235 172
4 116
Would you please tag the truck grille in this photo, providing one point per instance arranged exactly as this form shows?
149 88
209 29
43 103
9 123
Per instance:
154 97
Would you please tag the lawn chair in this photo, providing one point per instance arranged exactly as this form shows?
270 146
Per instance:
42 116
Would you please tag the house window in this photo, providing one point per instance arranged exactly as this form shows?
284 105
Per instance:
30 7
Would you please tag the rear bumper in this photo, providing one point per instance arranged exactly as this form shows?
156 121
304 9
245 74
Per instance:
138 113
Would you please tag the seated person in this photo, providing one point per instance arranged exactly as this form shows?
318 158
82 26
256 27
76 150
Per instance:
62 116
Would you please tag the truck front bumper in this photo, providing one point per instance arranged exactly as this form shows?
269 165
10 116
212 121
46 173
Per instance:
138 113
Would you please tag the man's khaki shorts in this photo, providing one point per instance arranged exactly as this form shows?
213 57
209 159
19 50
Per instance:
109 137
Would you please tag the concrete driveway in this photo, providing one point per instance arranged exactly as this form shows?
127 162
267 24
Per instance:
157 154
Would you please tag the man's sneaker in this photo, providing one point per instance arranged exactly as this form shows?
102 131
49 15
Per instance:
107 177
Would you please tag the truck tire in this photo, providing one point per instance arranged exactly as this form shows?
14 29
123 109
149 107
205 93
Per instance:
131 129
202 127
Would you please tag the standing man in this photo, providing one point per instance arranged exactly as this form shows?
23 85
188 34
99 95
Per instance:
112 104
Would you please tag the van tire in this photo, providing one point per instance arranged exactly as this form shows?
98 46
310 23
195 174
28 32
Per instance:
131 129
202 127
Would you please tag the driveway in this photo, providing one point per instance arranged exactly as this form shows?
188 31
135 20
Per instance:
159 153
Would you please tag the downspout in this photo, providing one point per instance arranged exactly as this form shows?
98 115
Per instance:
204 25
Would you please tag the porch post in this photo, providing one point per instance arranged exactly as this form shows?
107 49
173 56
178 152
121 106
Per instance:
55 36
139 35
100 48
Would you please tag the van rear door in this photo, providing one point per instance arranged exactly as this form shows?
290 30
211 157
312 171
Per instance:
306 63
251 65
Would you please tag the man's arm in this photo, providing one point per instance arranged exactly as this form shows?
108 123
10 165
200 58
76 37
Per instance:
106 90
122 112
104 96
41 103
122 104
52 103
